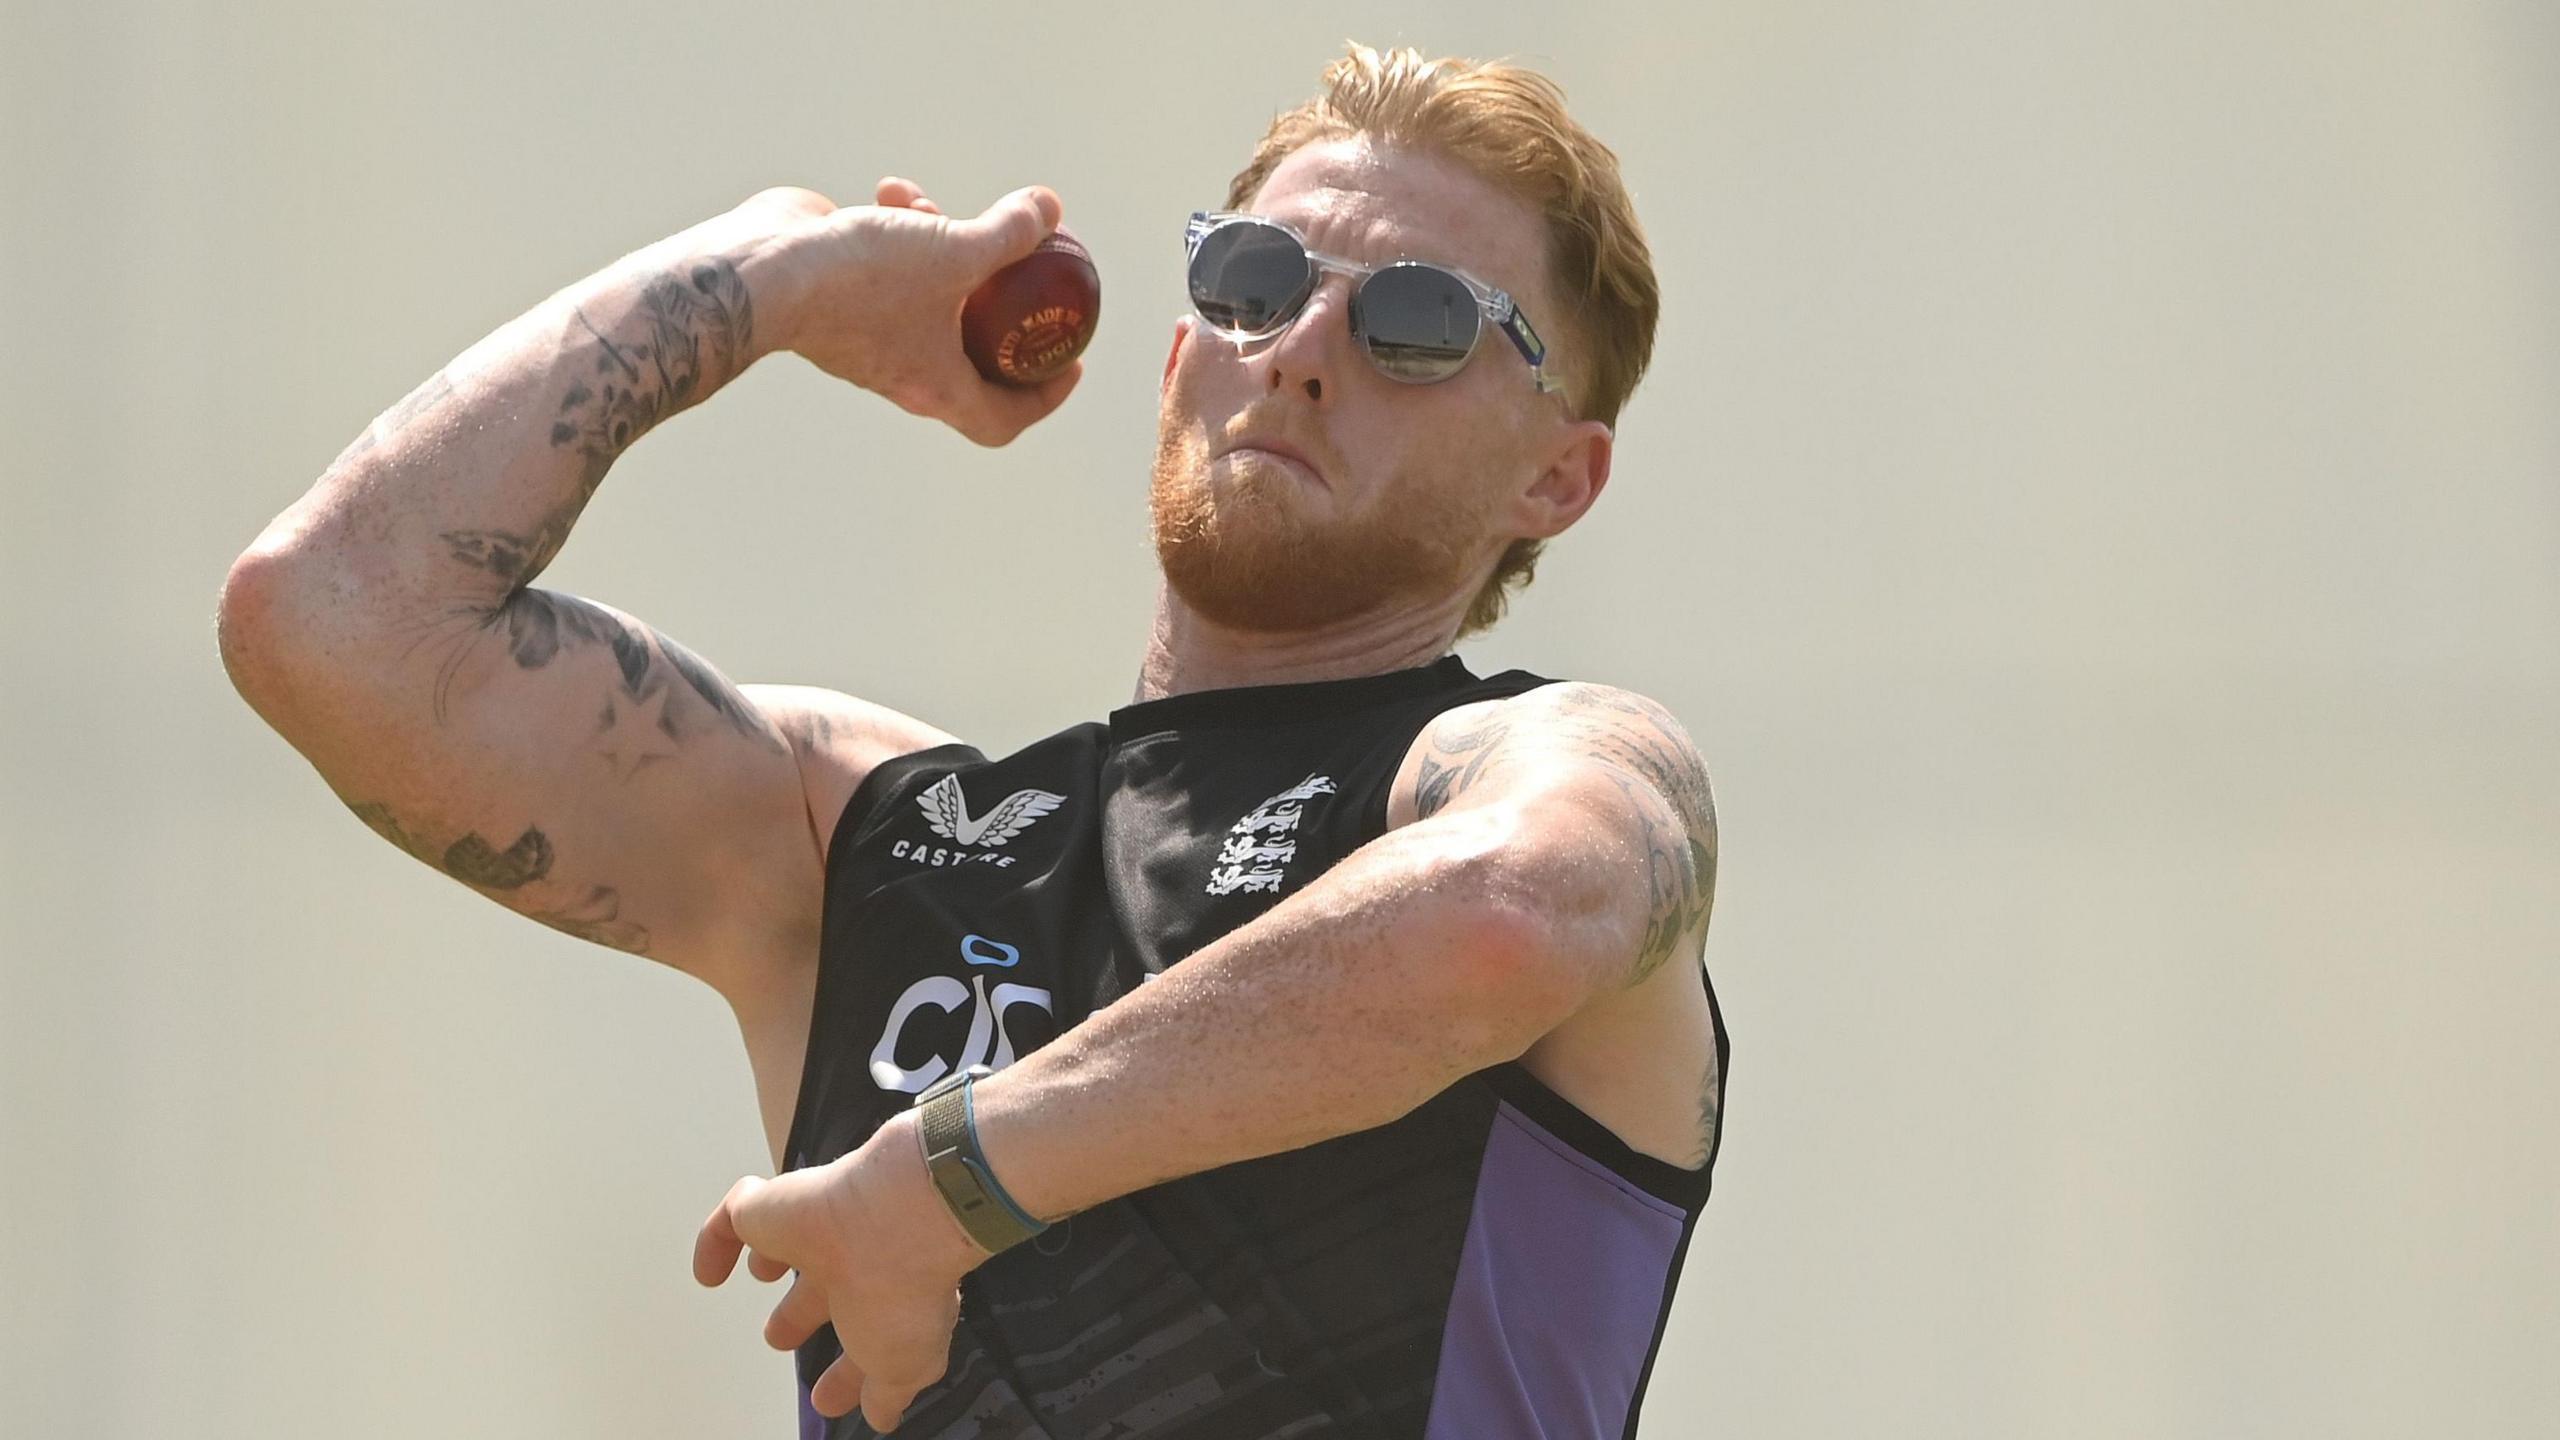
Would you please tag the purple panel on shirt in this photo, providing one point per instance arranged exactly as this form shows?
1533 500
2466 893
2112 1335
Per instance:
813 1426
1559 1289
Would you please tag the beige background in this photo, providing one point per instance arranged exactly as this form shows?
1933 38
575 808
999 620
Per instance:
2097 502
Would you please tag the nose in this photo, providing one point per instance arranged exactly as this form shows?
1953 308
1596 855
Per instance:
1308 349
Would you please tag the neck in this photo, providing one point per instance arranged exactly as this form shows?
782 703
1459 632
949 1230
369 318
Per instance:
1186 651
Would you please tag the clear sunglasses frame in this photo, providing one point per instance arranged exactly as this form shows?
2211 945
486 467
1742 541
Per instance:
1497 305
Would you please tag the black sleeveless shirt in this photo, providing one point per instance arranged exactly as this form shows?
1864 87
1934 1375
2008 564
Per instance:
1495 1265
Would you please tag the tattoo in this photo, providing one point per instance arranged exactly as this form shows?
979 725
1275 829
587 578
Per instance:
508 556
597 919
1641 739
640 382
378 816
1665 892
811 730
632 731
1456 760
536 621
539 625
716 692
1647 754
1710 1109
474 861
477 863
686 328
410 408
687 332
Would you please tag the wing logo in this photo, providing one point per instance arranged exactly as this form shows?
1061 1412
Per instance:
946 810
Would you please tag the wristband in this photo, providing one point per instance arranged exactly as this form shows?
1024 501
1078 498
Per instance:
947 1128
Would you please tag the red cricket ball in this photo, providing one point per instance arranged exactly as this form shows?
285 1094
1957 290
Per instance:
1032 318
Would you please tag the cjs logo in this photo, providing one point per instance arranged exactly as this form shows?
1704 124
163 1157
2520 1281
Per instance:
989 1042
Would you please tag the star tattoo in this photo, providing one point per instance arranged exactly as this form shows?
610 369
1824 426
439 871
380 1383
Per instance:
633 730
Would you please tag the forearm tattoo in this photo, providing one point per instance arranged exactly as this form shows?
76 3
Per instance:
681 331
642 380
685 328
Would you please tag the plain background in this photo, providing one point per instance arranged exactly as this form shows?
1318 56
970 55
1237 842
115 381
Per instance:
2096 502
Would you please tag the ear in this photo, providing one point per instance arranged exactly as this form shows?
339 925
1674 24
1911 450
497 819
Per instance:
1181 336
1577 470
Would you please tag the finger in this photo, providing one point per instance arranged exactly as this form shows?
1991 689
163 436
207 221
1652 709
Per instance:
890 1388
884 1407
766 1268
1012 409
791 200
897 193
802 1311
716 1247
839 1390
1012 227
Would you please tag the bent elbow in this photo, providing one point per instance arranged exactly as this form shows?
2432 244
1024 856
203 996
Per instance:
278 625
244 623
1534 922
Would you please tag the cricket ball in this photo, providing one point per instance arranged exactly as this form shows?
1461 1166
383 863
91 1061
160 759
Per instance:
1031 319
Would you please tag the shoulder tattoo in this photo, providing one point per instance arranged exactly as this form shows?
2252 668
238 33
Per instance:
1640 747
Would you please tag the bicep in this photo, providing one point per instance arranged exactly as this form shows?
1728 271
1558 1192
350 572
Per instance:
1618 819
566 760
576 765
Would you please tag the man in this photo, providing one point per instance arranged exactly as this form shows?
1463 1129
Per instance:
1317 1045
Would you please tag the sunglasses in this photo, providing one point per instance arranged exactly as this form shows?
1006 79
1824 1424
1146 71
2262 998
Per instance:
1418 322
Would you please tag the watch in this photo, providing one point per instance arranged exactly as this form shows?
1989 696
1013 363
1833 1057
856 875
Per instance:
947 1127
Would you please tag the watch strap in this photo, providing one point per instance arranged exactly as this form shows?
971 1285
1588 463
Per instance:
946 1129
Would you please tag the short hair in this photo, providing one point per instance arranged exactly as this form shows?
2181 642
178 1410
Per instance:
1507 125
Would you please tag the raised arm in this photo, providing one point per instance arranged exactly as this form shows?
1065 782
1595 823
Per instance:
556 754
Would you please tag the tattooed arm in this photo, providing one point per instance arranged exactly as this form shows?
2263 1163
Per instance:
1549 856
555 754
1616 768
1621 797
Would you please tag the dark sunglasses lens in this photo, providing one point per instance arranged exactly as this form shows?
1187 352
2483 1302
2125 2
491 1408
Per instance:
1247 277
1419 321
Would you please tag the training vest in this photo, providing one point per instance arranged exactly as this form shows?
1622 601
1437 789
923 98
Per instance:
1495 1265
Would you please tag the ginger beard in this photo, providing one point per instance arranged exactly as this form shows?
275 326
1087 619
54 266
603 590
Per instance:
1260 547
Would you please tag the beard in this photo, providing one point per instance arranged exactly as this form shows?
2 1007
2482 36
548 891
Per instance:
1265 552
